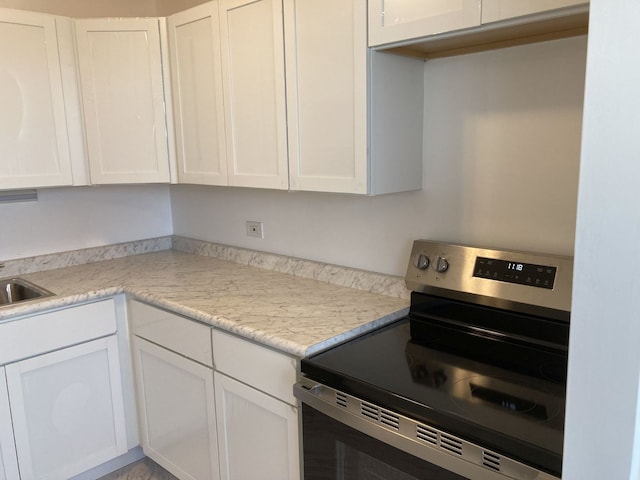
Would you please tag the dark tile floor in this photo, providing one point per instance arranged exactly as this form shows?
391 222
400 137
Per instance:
144 469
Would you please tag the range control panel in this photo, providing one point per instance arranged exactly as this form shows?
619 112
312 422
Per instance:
513 271
508 276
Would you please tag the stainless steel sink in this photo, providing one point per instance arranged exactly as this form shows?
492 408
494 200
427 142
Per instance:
16 290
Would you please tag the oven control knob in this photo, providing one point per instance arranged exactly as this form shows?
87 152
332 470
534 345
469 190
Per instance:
423 262
441 264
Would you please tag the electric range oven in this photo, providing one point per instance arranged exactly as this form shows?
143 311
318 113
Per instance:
471 385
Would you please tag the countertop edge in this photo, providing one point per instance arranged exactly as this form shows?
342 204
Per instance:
35 307
273 341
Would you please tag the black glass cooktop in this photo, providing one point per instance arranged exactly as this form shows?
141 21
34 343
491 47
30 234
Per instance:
500 393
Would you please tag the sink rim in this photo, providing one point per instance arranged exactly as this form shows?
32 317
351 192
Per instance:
37 289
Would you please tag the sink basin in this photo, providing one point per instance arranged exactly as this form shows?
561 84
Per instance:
16 290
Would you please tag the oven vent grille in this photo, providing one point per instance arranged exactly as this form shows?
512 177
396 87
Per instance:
341 399
390 419
439 439
491 460
427 434
380 415
451 444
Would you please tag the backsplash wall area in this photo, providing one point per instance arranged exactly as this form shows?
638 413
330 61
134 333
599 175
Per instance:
501 159
73 218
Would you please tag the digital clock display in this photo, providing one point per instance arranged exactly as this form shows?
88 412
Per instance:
542 276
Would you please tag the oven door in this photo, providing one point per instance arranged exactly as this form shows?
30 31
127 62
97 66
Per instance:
346 438
333 451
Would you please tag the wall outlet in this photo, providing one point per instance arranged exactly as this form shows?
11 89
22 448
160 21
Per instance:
254 229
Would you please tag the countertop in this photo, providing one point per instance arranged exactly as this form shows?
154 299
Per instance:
295 315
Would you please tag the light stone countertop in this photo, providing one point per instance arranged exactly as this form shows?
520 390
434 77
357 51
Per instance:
295 315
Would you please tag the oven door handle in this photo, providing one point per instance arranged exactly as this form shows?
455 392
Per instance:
418 439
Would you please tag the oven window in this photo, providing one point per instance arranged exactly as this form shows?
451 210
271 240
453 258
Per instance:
334 451
352 463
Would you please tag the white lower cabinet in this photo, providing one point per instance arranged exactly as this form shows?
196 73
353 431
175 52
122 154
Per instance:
174 384
176 411
257 434
8 456
64 407
237 421
67 410
256 410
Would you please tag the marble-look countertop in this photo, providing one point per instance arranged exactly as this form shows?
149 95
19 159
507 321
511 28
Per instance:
295 315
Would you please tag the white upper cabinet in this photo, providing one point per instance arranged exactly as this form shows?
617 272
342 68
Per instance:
396 20
196 79
254 92
494 10
34 140
327 94
123 98
354 117
438 28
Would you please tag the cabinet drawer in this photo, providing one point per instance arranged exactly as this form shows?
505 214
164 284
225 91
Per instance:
46 332
261 367
179 334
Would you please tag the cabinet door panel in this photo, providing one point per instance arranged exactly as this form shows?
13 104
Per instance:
327 94
123 99
8 458
258 435
196 72
67 408
397 20
177 412
494 10
34 147
255 108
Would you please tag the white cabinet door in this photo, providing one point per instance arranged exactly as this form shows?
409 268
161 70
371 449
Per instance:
67 410
176 408
254 92
8 458
393 21
196 74
354 118
123 99
327 94
494 10
34 145
258 435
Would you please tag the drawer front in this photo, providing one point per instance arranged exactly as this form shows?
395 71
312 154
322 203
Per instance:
179 334
263 368
30 336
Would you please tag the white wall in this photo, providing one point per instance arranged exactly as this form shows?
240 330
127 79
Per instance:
81 217
602 440
502 140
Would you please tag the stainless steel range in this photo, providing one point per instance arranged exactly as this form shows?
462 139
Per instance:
471 385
